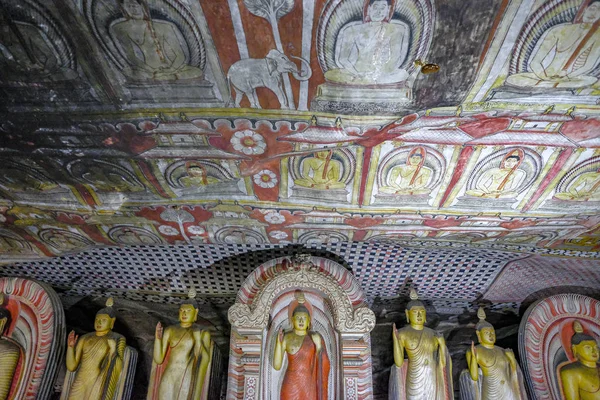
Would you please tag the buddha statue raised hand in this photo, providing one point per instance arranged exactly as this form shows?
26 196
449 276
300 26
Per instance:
496 367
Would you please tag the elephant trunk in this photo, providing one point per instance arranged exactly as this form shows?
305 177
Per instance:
298 75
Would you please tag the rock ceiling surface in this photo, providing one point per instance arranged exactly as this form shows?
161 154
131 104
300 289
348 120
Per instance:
239 126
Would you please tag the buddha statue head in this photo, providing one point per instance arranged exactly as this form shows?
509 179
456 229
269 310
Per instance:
5 317
415 311
584 346
300 313
105 318
378 10
591 13
134 9
188 311
484 330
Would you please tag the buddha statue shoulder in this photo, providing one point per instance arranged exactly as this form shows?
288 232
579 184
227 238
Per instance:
181 358
495 367
11 353
423 365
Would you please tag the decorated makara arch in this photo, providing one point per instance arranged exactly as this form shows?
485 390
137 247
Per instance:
295 314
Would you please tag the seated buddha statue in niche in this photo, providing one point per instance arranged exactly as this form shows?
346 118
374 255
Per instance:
411 178
96 359
503 181
152 48
11 353
427 356
307 373
580 380
566 54
498 366
371 52
586 187
321 171
196 176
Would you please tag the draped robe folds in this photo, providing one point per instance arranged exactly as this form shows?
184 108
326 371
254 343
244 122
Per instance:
307 374
11 357
500 382
422 377
98 374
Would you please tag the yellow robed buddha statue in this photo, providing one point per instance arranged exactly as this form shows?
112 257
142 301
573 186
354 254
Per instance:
586 187
566 54
372 51
496 367
321 172
181 358
11 355
95 360
426 372
307 373
501 182
411 178
580 379
196 176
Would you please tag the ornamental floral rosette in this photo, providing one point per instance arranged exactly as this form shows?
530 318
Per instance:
265 179
248 142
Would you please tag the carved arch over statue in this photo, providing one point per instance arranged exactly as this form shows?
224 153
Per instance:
418 15
544 339
38 326
340 312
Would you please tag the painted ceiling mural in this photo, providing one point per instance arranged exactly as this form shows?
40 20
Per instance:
415 123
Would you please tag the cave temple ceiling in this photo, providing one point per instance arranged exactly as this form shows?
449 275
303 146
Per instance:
452 144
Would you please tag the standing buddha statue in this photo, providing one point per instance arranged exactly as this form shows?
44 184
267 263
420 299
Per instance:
10 354
95 360
493 373
181 359
426 374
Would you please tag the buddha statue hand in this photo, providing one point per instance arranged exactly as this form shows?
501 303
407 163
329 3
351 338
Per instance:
159 331
280 336
473 351
72 340
395 331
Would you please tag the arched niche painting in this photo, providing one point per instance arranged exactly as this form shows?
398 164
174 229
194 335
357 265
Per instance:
317 296
63 240
133 236
499 179
556 56
195 178
322 175
239 235
37 58
367 50
578 189
408 176
157 46
111 183
26 181
317 237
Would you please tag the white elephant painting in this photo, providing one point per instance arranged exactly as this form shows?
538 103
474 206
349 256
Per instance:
248 74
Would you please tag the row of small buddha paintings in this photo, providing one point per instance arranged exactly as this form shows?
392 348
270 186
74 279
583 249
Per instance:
301 352
412 176
368 52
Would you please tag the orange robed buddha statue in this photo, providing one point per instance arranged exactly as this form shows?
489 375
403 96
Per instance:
95 359
307 373
580 380
182 356
10 354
